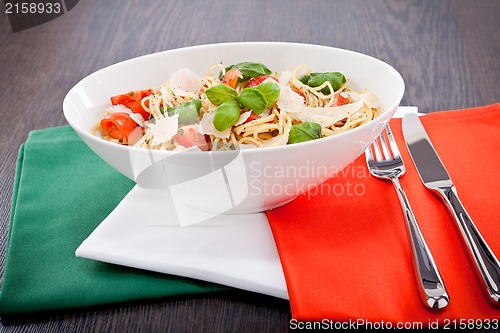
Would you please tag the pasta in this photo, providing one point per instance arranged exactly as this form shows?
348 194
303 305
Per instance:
241 106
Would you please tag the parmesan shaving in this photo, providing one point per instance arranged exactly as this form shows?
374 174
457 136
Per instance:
184 82
284 78
330 115
290 101
117 108
164 129
324 121
137 118
293 104
243 117
366 96
370 99
206 126
338 112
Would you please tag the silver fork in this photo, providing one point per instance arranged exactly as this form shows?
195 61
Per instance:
388 164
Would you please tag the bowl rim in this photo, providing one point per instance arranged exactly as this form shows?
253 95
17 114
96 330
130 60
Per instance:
338 136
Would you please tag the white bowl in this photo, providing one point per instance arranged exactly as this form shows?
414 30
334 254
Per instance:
244 181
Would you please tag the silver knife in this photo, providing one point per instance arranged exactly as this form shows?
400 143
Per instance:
436 178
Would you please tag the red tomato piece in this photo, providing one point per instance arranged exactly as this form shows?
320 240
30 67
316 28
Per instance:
132 100
231 77
338 100
119 125
258 80
298 91
189 136
121 99
252 116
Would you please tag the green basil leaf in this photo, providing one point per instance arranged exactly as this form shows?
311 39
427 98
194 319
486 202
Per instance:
271 91
304 78
317 79
249 70
220 93
252 99
226 115
305 131
188 112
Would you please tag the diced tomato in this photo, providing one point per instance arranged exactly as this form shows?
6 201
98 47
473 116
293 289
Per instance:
298 91
188 136
231 77
132 100
121 99
258 80
338 100
252 116
119 126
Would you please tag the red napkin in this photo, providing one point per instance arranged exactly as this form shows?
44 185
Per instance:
345 249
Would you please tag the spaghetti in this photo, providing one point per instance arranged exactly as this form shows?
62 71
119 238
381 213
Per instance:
243 106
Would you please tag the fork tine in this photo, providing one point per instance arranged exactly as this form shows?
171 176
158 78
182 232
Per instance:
376 149
392 142
368 153
385 147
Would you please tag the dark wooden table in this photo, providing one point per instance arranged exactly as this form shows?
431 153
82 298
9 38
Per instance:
448 52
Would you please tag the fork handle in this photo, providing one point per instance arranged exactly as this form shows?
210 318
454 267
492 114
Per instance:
429 283
487 264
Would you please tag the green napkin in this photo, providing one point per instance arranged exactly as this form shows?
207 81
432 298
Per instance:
62 191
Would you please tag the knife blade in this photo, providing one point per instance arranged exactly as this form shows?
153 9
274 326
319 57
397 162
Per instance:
435 177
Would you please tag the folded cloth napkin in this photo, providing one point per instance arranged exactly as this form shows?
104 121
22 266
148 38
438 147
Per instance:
161 243
144 232
62 191
344 247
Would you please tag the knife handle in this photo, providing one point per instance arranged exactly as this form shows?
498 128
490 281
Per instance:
430 285
487 264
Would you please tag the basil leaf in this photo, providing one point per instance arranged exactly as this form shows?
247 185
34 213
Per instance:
270 90
317 79
226 115
188 112
252 99
220 93
249 70
304 78
305 131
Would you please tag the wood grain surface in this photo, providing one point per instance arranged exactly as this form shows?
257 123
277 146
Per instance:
447 51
